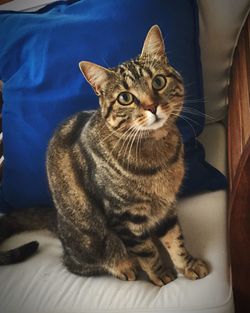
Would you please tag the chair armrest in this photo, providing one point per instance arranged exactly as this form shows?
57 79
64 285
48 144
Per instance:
5 1
1 134
239 170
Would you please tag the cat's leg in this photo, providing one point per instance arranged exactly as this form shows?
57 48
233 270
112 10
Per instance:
121 267
94 252
116 260
173 241
79 267
150 261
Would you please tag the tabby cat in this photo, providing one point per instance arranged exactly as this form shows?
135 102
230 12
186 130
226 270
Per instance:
114 174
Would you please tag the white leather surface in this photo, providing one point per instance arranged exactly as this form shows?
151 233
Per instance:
214 140
43 285
220 25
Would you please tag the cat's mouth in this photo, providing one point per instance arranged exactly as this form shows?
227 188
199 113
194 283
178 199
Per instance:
157 123
153 121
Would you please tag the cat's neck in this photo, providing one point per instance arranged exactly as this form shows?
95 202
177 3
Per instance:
149 147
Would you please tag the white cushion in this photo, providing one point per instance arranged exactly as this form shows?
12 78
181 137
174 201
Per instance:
43 285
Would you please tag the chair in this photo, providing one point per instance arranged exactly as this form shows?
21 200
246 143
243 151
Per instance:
216 225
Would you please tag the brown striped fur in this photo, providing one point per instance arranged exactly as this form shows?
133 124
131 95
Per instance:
114 174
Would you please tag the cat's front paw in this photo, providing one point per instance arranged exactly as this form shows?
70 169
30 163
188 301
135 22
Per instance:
125 270
128 274
196 269
163 278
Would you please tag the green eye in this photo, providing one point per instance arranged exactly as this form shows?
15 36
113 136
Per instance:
125 98
159 82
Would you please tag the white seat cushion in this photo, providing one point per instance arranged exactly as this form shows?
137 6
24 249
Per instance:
43 285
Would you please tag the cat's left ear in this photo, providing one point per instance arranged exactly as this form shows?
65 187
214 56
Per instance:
154 43
95 74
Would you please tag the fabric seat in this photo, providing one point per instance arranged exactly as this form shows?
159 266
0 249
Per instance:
43 285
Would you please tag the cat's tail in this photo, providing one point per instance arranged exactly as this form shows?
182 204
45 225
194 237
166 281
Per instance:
20 221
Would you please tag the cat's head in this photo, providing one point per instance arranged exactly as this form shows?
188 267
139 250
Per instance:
145 93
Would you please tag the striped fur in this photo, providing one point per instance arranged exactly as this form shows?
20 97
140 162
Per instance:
114 174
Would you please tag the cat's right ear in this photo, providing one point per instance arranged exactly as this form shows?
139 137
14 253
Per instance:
154 43
95 74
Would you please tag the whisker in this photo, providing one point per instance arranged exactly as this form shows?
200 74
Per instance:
106 63
194 100
137 147
111 132
191 120
193 111
131 145
197 112
187 117
125 134
189 84
119 140
128 145
109 135
186 122
126 137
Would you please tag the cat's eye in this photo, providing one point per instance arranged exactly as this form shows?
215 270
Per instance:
125 98
159 82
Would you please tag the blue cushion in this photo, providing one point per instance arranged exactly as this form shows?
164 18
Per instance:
43 85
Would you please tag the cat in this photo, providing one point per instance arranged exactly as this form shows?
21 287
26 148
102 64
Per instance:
114 174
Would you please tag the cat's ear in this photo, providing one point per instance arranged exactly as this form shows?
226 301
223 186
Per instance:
95 74
154 43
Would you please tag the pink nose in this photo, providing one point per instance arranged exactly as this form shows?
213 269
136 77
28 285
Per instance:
152 108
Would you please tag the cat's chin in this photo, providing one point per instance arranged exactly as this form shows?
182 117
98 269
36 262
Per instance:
158 123
154 122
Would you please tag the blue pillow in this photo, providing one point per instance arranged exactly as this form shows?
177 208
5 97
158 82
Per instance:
43 85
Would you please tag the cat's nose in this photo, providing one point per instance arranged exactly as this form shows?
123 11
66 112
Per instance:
152 108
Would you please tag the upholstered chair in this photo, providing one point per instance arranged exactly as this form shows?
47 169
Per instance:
216 224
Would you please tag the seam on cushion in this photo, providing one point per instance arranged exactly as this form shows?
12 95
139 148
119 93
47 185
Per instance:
232 54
